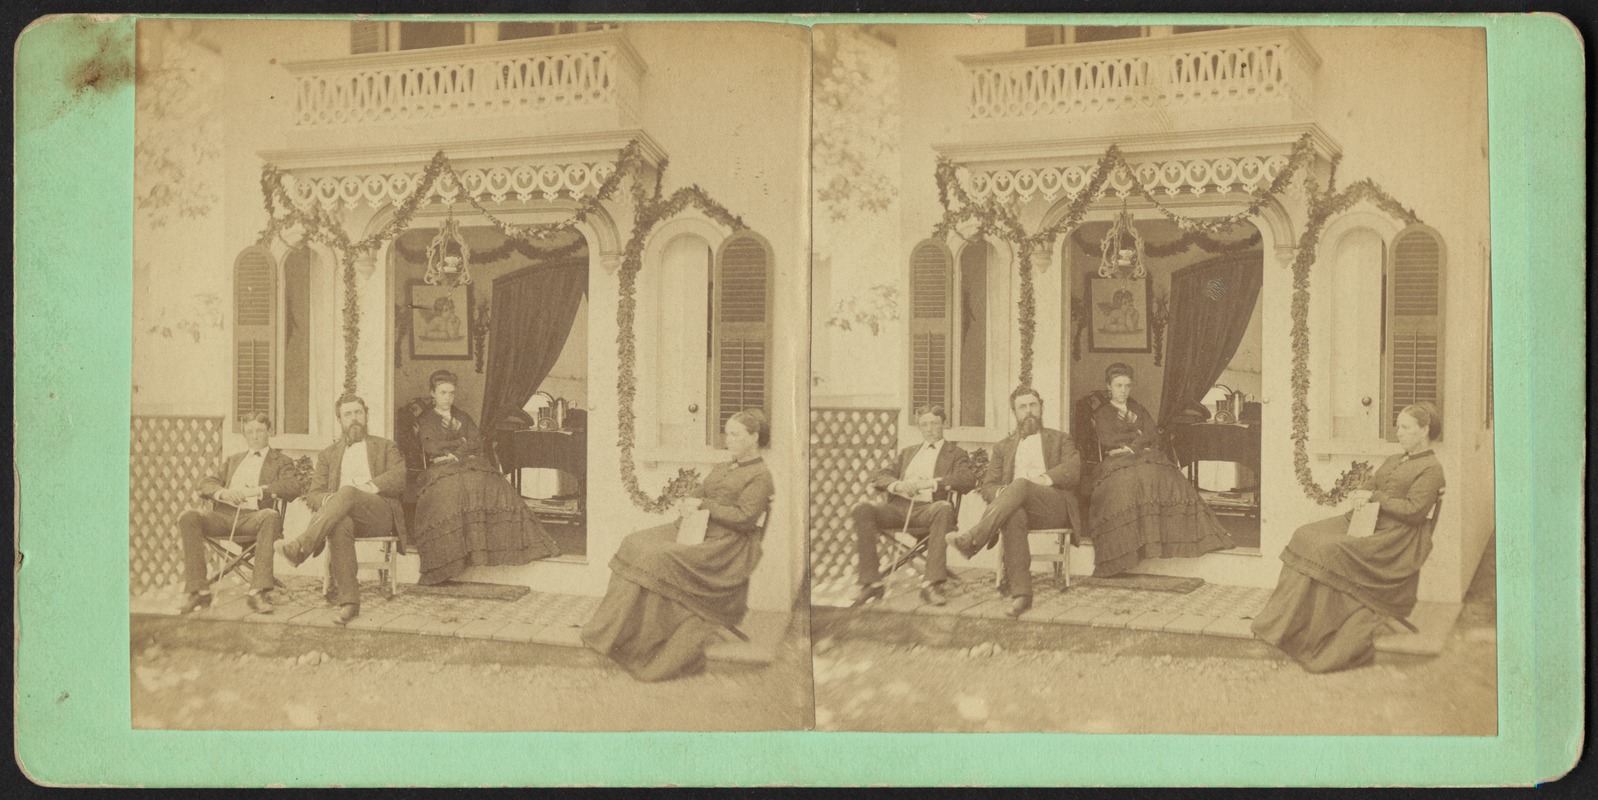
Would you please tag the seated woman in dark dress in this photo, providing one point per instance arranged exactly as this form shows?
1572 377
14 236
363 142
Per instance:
1142 505
667 601
467 514
1336 591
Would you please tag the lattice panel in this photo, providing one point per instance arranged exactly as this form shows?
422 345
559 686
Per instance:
847 445
170 456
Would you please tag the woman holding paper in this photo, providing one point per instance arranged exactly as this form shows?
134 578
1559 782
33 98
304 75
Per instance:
674 587
1343 580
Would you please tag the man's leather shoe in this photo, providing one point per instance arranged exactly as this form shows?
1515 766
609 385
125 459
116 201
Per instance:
258 603
194 602
867 594
965 546
932 594
347 612
287 549
1020 605
291 550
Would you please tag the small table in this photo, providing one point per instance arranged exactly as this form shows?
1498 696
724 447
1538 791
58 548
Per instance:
566 451
1238 443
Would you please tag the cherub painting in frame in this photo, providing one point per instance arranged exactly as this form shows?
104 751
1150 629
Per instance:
440 321
1118 313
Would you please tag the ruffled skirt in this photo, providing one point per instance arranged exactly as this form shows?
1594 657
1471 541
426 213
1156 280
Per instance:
468 517
1143 507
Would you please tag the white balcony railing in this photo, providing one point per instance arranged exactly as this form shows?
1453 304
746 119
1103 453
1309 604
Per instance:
589 71
1217 68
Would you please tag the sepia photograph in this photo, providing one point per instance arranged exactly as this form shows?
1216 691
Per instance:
490 382
1151 380
469 371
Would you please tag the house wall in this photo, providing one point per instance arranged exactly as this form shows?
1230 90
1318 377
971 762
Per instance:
1422 138
568 378
728 107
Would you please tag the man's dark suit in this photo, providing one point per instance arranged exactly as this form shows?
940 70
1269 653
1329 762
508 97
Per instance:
278 481
345 512
952 471
1017 504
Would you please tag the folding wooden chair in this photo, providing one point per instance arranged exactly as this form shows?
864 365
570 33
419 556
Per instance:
765 519
1061 557
903 552
387 567
238 552
1430 528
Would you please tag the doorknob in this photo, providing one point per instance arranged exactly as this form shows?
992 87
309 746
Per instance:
693 408
1365 401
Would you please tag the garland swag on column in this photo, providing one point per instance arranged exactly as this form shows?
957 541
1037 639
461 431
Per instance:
993 218
1322 207
650 208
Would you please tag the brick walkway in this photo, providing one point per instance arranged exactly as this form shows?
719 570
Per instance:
1209 609
543 618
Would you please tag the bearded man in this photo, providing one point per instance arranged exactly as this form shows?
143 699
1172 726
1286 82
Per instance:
1027 485
355 492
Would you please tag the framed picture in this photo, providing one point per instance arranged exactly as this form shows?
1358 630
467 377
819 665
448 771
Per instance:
1118 315
441 321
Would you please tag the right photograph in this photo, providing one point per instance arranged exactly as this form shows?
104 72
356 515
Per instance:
1151 380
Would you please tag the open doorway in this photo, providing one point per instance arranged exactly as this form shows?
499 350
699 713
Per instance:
1191 331
519 344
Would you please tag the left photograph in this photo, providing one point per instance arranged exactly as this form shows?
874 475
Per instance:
470 376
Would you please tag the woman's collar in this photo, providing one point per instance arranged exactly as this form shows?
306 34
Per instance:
754 459
1426 452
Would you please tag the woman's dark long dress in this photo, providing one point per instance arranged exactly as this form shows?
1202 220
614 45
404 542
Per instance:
1142 505
1336 591
667 601
467 514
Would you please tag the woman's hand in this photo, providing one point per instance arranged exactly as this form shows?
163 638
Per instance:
1359 497
688 505
1123 449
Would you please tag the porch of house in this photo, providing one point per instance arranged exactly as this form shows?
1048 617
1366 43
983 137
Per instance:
1131 601
517 616
848 445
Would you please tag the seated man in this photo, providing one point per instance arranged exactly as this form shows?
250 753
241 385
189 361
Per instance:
355 492
918 485
239 488
1027 485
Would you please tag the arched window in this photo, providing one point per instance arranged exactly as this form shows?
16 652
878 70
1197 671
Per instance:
294 416
931 317
1352 305
682 347
972 329
741 329
1413 315
274 313
254 332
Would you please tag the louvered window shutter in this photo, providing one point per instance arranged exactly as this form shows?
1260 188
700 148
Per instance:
741 357
931 299
254 328
1414 323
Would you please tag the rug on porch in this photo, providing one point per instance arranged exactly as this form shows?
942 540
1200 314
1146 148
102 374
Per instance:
1147 583
471 589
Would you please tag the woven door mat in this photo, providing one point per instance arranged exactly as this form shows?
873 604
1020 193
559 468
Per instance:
472 590
1146 583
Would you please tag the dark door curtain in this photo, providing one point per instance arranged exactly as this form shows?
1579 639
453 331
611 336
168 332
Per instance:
1211 304
529 319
